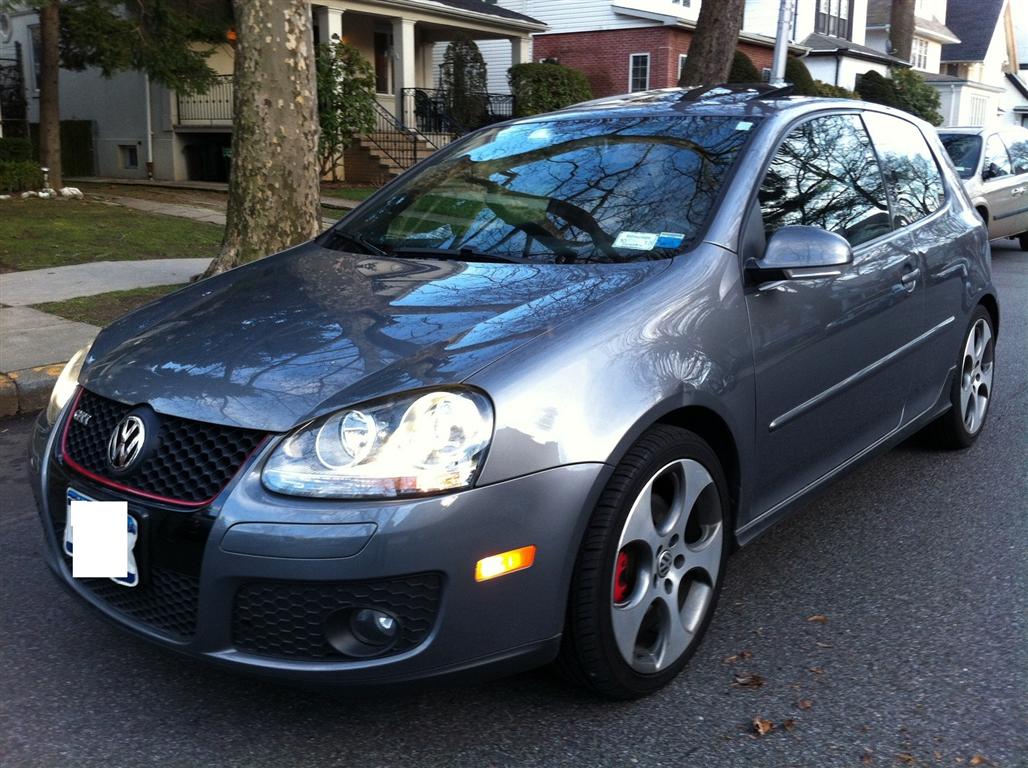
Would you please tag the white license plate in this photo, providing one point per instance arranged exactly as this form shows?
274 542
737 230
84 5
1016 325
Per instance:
131 579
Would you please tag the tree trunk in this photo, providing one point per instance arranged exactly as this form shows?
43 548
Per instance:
713 43
49 103
901 28
273 195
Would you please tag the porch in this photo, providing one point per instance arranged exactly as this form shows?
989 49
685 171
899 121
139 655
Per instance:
398 37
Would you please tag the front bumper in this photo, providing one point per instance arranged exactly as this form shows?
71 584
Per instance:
246 581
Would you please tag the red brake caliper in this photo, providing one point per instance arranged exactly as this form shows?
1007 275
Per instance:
621 584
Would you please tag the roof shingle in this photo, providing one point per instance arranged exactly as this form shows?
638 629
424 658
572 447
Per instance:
974 22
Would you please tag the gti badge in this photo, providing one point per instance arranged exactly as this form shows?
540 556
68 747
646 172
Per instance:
82 417
126 443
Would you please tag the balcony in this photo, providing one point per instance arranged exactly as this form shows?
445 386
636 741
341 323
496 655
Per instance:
213 108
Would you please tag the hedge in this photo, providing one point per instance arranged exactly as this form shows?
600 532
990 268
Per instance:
546 87
19 176
743 70
13 149
796 72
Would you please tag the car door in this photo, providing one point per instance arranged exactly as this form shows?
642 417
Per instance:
925 225
830 376
1000 188
1016 141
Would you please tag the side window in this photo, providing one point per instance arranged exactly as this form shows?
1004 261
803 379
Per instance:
997 161
1017 146
911 173
826 175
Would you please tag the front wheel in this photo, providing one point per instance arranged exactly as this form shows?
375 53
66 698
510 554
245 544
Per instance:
1022 239
650 567
971 392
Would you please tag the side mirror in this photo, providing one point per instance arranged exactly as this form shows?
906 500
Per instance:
798 252
990 171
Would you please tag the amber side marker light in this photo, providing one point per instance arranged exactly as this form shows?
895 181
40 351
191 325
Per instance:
504 563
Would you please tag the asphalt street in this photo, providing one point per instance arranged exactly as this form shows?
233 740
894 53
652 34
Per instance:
918 562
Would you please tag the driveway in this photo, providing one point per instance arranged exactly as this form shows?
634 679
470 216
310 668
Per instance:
915 569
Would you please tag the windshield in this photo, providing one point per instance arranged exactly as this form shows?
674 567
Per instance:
559 191
963 149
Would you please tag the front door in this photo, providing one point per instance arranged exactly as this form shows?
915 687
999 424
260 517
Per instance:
1005 192
831 376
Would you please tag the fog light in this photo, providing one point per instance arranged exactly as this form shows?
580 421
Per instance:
504 563
374 627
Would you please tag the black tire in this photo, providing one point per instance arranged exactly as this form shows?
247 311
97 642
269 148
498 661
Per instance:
950 431
1022 239
589 654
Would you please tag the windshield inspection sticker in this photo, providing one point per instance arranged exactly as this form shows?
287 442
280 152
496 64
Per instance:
670 239
637 241
743 125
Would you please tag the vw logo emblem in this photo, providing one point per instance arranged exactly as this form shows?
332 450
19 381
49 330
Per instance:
126 443
664 564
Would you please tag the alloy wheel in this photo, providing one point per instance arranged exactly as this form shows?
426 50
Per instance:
976 375
667 565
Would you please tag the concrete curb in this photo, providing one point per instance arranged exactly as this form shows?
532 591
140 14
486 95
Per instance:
27 390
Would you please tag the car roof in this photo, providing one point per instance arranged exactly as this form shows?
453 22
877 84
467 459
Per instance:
980 130
757 100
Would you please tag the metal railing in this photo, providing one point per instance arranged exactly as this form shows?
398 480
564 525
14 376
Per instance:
214 106
434 111
402 144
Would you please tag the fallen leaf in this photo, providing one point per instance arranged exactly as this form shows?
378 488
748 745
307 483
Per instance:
820 618
789 724
762 726
740 656
747 680
817 670
867 758
906 757
978 760
804 703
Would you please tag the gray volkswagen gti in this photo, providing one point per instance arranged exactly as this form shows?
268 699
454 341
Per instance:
521 404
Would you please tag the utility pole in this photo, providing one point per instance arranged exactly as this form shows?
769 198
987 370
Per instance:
785 10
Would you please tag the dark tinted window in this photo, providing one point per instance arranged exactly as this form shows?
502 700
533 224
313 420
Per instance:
997 161
911 173
577 190
826 175
1017 146
964 150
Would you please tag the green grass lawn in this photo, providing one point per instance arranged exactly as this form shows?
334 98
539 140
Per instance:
50 233
104 308
347 192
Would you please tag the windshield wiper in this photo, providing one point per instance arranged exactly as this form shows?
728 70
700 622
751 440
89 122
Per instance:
462 254
359 240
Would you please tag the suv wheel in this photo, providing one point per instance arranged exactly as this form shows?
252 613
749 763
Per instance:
650 567
971 392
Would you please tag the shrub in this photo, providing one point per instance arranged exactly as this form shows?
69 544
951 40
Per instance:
546 87
19 176
829 91
796 72
12 149
346 101
462 76
904 89
743 70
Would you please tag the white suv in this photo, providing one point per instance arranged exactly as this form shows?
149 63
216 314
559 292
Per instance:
994 166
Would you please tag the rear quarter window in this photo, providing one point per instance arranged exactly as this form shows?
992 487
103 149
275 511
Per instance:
912 175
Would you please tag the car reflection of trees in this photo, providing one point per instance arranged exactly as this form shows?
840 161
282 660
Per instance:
572 197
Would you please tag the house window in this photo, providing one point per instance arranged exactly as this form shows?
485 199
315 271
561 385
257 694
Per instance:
833 18
977 105
639 72
129 156
383 61
919 53
681 64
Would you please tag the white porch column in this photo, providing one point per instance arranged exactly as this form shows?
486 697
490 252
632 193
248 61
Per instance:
330 24
404 61
520 50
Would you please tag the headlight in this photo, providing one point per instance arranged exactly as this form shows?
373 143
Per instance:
65 385
420 443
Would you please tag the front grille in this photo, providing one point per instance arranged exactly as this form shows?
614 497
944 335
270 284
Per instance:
166 601
285 619
193 460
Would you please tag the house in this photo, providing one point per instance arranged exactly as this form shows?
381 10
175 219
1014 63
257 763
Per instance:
979 77
834 33
930 32
140 128
620 45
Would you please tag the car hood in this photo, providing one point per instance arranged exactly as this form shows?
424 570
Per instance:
290 337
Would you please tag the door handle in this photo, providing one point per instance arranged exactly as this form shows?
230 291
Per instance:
909 279
1017 191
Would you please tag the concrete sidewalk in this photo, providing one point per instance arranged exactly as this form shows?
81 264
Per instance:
35 345
191 212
